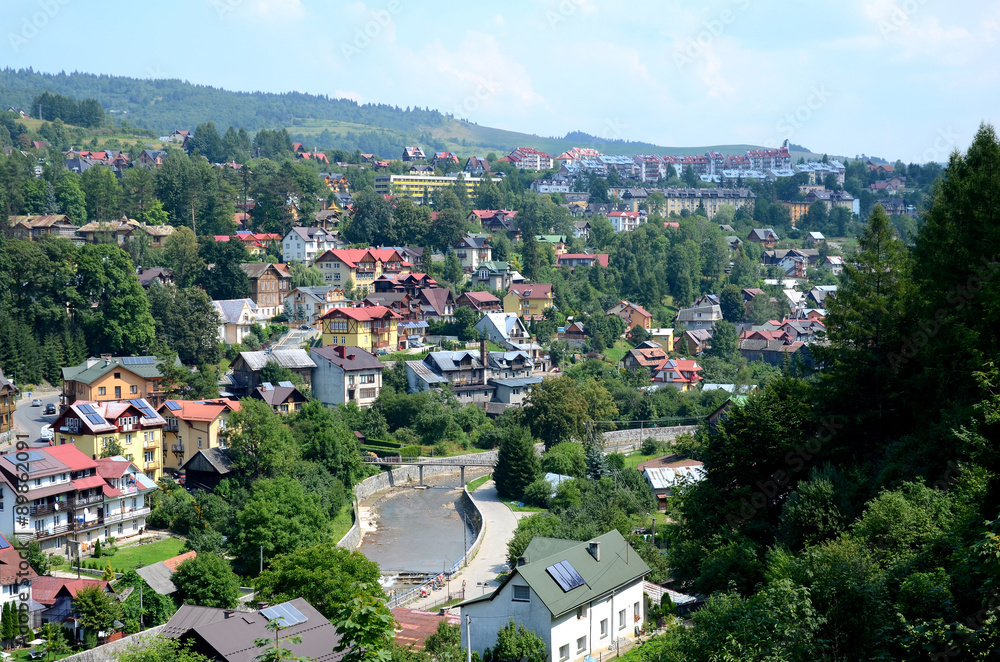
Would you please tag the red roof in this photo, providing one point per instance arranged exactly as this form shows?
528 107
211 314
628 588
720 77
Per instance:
535 291
366 314
200 410
45 590
72 457
88 482
481 297
175 561
10 566
109 468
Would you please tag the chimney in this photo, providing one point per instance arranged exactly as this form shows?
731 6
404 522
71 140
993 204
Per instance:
522 560
229 613
595 550
483 356
341 351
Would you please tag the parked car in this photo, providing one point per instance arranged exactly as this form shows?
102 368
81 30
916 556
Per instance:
36 403
50 409
47 433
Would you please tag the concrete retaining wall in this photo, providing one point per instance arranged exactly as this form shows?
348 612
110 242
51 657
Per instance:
410 474
353 537
620 441
110 651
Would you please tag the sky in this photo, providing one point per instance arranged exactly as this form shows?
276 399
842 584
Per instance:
898 79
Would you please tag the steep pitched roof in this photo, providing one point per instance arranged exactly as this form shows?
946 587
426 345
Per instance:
293 359
94 368
533 291
349 358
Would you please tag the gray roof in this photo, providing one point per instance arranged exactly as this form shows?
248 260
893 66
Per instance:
294 359
425 373
276 395
231 309
159 577
707 313
354 358
93 368
519 382
217 458
450 361
503 323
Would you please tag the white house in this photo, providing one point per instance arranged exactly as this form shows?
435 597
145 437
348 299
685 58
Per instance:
579 597
503 328
304 245
346 374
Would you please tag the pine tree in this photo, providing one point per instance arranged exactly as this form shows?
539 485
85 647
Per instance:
109 572
97 549
517 464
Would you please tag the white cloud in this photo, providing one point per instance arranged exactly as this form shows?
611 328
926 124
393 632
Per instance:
289 10
498 21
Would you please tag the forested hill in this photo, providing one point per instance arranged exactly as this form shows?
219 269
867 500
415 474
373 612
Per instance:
163 105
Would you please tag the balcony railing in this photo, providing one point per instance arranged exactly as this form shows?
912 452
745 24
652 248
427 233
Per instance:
150 445
81 502
51 531
178 448
148 465
128 514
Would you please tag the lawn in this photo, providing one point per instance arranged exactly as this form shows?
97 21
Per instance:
633 459
25 654
472 485
137 556
526 509
342 523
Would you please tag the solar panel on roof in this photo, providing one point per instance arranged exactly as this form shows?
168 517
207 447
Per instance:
137 403
138 360
3 543
286 384
96 419
173 406
565 575
285 614
86 409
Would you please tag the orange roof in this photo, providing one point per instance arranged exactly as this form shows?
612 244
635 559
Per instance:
535 291
72 457
366 314
200 410
172 563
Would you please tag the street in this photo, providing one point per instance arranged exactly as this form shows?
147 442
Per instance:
31 419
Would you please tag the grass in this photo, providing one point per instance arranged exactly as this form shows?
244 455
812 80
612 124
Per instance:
633 459
137 556
526 509
473 485
25 654
342 523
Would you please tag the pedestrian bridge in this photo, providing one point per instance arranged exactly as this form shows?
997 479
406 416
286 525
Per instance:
478 460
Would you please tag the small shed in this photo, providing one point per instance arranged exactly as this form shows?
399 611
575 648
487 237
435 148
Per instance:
206 468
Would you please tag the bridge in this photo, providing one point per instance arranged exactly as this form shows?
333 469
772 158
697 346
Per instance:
421 462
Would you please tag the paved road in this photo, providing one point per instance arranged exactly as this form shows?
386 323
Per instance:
30 419
500 523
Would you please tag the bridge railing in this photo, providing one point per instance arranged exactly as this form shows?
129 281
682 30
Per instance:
439 461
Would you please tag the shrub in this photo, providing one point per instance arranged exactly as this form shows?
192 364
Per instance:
410 451
650 446
538 493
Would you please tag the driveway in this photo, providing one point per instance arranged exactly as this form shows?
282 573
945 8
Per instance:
491 560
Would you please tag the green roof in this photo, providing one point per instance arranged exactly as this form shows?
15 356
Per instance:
550 238
619 565
94 368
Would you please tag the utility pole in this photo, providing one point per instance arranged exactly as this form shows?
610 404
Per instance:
468 638
141 626
262 558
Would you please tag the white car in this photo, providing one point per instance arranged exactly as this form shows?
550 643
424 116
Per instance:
47 434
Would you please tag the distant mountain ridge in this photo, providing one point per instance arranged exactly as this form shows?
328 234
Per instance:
162 105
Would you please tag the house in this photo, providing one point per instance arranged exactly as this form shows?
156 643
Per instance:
579 597
721 413
132 425
227 635
710 200
33 227
247 367
362 266
625 221
412 324
152 158
647 356
513 391
97 232
665 473
305 305
437 304
699 317
632 314
481 302
207 468
766 237
236 318
529 158
193 425
372 328
346 374
477 165
573 260
113 378
893 207
503 328
444 159
834 263
413 154
335 181
529 301
696 341
126 497
679 373
472 251
815 239
161 275
269 286
581 230
304 244
56 596
819 294
8 403
494 220
494 275
421 169
769 351
71 511
284 398
463 370
160 575
15 579
663 336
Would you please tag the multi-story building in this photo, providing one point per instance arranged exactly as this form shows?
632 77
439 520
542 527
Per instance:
472 251
529 158
33 227
649 167
680 199
632 314
420 188
111 378
305 305
361 266
371 328
15 580
625 221
413 154
304 245
70 504
132 425
269 285
193 425
236 318
346 374
8 403
529 301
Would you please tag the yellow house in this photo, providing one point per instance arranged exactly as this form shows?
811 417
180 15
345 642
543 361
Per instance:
111 378
371 328
663 336
95 427
796 209
192 426
529 301
362 266
420 187
711 199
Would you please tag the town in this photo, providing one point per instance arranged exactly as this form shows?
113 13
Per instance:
267 398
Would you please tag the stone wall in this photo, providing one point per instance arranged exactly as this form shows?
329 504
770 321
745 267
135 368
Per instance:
410 474
622 441
110 651
353 537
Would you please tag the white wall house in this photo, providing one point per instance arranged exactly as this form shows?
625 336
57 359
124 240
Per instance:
303 245
579 597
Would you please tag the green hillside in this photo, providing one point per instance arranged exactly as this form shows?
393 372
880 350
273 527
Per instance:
317 120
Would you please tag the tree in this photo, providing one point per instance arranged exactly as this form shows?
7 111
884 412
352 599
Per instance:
38 560
71 198
278 517
731 303
556 411
259 442
323 574
445 645
453 272
144 607
180 253
371 222
447 229
207 142
226 279
109 572
117 319
725 342
186 321
365 625
161 649
101 193
566 458
517 464
97 610
517 643
207 580
277 653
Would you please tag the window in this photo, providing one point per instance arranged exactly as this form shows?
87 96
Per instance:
604 628
367 379
101 390
133 389
199 442
581 612
581 645
118 375
121 529
621 620
522 594
635 610
128 439
148 457
564 652
135 525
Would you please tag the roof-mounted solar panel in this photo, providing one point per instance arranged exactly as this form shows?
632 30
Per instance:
286 384
86 409
565 575
172 405
285 614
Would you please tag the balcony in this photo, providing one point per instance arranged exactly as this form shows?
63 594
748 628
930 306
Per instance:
178 449
381 344
82 502
146 466
52 531
150 445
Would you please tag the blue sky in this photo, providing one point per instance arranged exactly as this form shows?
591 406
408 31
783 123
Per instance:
907 79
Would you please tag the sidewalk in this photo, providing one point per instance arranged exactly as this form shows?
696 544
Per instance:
500 523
